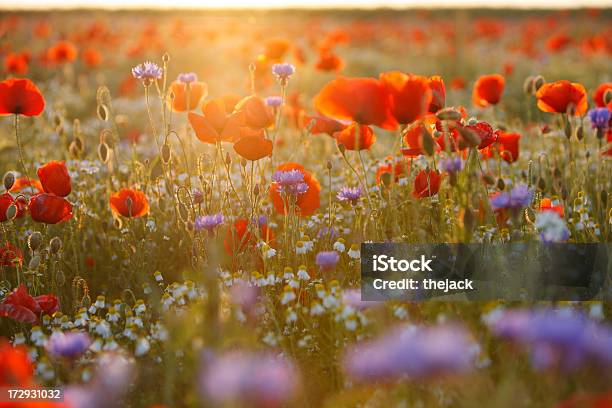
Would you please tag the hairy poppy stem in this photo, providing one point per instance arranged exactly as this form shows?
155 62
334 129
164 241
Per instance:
20 150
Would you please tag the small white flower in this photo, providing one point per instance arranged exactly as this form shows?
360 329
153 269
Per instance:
142 347
302 274
354 252
288 295
270 339
339 246
316 309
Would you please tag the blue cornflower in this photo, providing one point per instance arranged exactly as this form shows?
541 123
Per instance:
517 198
290 182
350 194
451 164
187 77
147 71
208 222
600 118
283 71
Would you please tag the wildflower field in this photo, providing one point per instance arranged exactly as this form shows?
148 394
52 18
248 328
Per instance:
185 195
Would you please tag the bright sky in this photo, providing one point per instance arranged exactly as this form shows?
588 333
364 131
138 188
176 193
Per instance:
117 4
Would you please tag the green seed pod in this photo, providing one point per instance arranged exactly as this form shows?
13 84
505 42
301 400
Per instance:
55 245
470 138
9 180
428 142
35 240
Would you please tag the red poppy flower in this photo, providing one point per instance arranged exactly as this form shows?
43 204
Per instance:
488 90
253 147
6 200
10 255
438 96
598 95
196 90
508 146
17 63
55 179
560 96
15 367
329 62
238 237
458 83
308 202
216 125
20 97
396 170
322 124
361 100
62 52
546 204
22 307
410 95
49 208
558 42
276 48
255 112
22 183
484 132
91 57
413 138
426 183
129 203
356 137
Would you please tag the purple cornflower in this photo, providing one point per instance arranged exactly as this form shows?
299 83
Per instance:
208 222
283 71
350 194
600 118
327 260
239 377
274 101
187 77
68 345
147 71
515 199
413 351
451 164
556 338
290 182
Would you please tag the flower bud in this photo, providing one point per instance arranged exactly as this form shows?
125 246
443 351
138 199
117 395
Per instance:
538 81
11 212
55 245
528 85
448 114
166 153
607 96
9 180
34 263
35 240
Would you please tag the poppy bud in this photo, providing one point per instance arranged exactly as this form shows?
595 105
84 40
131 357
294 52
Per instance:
103 152
166 57
538 81
568 129
329 165
183 212
228 159
448 114
607 96
102 112
472 121
571 110
73 150
55 245
342 148
256 190
34 263
9 180
166 153
35 240
528 85
469 137
541 184
243 162
501 185
57 120
11 212
557 172
580 133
